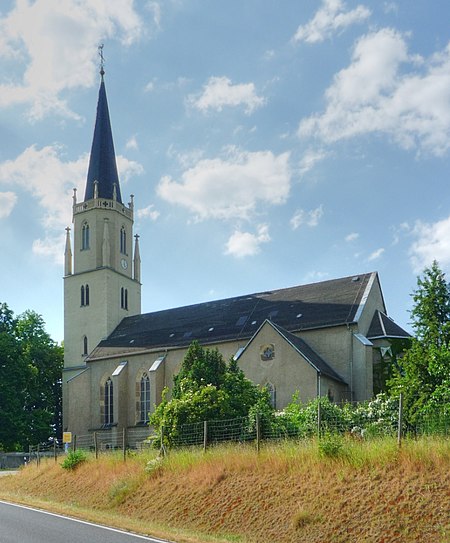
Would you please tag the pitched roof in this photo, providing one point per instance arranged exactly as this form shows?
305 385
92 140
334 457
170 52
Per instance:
308 353
102 162
384 327
328 303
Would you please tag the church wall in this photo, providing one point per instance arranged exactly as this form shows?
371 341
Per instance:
287 371
362 371
335 391
79 403
334 345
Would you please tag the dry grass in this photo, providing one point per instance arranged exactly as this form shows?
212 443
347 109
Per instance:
370 492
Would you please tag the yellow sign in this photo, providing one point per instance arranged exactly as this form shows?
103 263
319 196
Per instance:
67 437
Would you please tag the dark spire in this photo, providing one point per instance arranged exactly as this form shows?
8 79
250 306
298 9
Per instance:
102 162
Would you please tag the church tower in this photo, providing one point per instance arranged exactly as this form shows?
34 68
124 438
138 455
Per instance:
102 271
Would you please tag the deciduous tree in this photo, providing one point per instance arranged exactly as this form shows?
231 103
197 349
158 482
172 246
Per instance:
423 375
206 388
30 381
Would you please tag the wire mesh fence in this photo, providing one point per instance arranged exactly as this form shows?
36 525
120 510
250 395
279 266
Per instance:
381 417
378 418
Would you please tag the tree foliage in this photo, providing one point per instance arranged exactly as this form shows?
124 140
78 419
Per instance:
30 381
206 388
423 375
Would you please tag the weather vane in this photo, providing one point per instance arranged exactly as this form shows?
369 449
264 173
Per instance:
102 60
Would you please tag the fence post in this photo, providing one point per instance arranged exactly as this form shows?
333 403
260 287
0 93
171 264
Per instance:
74 443
319 418
96 445
400 420
54 449
205 435
38 457
258 432
162 450
124 443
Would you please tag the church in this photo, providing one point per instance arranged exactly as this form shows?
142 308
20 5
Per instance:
320 339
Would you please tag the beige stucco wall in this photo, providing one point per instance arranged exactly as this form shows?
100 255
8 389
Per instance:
288 372
79 403
334 345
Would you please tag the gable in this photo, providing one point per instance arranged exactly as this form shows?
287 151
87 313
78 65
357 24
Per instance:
301 348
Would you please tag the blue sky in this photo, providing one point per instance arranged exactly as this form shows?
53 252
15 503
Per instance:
268 144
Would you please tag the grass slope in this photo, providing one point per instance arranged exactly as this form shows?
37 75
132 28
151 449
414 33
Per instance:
366 492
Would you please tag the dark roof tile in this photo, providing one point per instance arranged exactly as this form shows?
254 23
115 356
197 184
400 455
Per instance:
384 327
328 303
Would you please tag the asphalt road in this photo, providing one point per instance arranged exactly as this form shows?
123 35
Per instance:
19 524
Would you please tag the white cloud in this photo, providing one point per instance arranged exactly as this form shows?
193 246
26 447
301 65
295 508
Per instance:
51 248
376 94
132 143
56 40
127 169
150 87
328 20
432 243
155 9
314 276
219 92
375 255
185 159
390 7
231 187
7 202
50 179
310 159
148 212
352 237
310 218
243 244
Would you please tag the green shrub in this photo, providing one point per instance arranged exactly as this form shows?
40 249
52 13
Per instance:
74 459
331 446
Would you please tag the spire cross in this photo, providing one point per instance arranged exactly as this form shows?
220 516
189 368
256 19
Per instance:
102 59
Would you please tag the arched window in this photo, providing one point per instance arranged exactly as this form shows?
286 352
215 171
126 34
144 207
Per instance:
272 394
84 295
123 241
144 398
85 236
85 346
107 402
124 298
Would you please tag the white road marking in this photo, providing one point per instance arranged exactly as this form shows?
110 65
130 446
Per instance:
131 534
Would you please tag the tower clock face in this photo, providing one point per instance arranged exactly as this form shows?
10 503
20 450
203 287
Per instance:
124 263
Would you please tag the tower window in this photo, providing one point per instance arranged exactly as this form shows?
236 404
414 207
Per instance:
124 298
108 402
144 398
123 241
85 346
84 295
85 237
